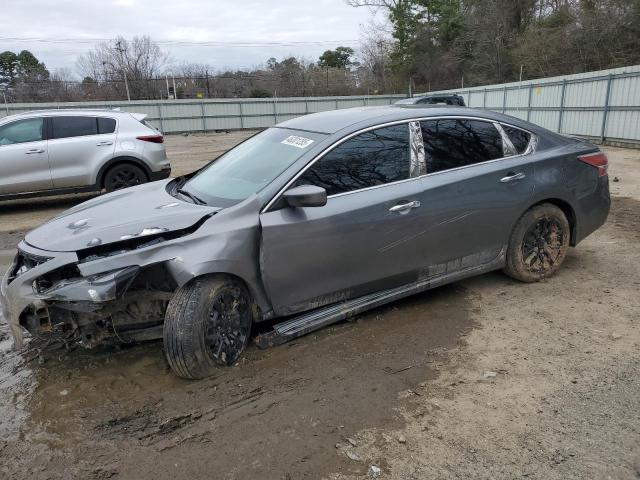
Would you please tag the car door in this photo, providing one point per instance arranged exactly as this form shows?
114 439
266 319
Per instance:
363 240
476 188
24 160
78 146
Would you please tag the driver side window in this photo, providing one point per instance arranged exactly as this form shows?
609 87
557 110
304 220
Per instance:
22 131
369 159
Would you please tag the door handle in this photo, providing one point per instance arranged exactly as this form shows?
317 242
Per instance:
34 150
102 144
512 177
405 207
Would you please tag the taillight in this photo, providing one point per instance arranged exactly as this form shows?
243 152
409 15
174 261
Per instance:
152 138
598 160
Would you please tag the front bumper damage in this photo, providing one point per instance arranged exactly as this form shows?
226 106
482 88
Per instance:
26 300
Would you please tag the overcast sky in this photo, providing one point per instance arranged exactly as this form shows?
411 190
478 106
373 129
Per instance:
186 20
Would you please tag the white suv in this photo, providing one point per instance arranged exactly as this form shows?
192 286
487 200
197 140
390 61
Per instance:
64 151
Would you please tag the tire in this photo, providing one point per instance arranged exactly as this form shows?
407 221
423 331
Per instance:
207 324
124 175
538 244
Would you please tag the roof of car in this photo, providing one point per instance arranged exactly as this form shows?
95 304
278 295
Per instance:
362 117
67 111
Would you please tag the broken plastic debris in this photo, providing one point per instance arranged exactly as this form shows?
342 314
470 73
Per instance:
374 471
354 456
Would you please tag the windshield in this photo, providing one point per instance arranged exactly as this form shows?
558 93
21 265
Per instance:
247 168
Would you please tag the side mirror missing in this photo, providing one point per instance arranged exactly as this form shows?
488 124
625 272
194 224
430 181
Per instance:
305 196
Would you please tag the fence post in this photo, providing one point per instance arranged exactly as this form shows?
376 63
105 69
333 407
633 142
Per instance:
275 110
204 120
564 88
484 99
529 102
241 115
306 106
504 99
161 117
605 113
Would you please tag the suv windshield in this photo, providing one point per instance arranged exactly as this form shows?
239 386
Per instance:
247 168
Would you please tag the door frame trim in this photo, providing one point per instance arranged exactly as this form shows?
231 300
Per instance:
531 148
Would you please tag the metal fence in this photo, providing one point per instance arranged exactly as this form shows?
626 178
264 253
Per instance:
603 105
176 116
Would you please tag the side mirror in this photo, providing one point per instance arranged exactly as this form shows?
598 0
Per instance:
305 196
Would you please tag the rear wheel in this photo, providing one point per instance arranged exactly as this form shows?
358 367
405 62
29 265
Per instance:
538 244
124 175
207 324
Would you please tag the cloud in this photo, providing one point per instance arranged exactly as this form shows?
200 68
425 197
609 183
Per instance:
239 21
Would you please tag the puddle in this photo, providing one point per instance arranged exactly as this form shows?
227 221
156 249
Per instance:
122 413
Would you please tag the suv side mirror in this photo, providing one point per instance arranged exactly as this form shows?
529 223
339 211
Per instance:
305 196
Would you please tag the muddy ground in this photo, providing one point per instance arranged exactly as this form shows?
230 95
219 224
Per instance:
485 378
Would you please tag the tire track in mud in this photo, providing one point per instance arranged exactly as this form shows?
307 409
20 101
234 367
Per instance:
278 412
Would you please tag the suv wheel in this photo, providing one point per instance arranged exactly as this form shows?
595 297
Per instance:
207 324
538 244
124 175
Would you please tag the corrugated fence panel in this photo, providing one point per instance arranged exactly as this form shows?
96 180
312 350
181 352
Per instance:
581 123
625 92
595 104
517 98
297 108
603 104
255 108
321 106
586 94
624 124
494 100
545 118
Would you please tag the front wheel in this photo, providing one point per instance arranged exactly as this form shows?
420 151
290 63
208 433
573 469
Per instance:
207 324
538 244
124 175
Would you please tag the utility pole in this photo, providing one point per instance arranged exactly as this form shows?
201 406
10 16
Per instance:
327 80
121 51
175 92
207 77
166 78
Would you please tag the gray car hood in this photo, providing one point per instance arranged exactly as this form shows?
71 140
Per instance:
134 212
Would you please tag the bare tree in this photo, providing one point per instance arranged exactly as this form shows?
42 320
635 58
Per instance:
126 64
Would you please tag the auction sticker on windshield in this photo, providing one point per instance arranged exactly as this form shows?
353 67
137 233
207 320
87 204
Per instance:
296 141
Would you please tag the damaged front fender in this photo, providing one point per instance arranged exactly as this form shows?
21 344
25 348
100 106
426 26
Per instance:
96 289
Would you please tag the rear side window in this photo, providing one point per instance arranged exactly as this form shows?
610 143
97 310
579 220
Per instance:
451 143
64 127
22 131
519 138
106 125
369 159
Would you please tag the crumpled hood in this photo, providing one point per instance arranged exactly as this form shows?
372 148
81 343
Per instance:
137 211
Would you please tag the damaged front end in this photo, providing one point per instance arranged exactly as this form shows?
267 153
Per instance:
46 294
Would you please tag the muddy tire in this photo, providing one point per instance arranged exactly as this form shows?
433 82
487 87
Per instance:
207 324
538 244
124 175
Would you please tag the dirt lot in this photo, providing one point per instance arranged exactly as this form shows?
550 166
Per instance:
485 378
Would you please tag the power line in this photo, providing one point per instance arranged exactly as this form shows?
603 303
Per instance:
251 44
